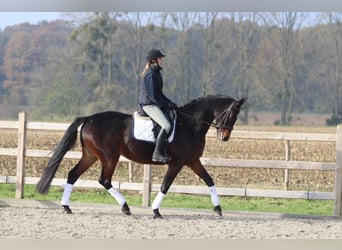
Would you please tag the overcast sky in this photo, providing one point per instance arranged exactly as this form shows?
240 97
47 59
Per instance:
12 18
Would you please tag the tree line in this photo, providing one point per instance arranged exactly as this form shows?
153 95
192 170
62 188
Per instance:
283 62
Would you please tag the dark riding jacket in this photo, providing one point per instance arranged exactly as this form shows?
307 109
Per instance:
152 90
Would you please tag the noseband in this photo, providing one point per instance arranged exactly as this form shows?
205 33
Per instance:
225 116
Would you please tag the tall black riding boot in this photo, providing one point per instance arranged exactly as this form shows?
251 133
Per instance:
159 154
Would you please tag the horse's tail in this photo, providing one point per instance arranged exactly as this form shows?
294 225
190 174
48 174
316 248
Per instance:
68 141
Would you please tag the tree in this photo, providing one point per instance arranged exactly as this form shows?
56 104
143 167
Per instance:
208 52
64 96
132 59
2 73
284 30
335 27
282 65
17 65
95 38
182 74
246 34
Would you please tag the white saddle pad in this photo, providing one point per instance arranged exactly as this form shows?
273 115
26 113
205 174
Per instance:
142 128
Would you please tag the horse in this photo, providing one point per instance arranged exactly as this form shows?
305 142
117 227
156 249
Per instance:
106 135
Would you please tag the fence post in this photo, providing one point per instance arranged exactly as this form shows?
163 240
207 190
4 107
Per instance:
338 172
130 171
286 171
147 186
19 192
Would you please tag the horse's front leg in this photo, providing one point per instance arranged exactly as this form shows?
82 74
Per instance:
170 175
199 169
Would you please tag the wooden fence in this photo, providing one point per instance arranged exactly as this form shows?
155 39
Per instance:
22 125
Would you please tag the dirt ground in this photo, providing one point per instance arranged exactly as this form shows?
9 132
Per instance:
30 219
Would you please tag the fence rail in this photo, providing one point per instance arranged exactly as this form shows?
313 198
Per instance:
22 125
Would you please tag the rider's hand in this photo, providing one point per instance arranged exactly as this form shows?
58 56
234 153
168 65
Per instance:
172 105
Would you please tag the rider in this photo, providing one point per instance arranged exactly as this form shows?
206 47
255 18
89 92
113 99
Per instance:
153 102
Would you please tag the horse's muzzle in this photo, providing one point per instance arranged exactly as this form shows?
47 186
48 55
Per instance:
225 138
223 135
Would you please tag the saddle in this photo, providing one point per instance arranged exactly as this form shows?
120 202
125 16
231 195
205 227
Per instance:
145 129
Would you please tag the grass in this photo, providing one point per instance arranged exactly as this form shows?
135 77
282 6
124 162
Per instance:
288 206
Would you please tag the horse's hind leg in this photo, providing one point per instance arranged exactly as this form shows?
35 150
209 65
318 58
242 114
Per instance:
74 174
198 168
106 181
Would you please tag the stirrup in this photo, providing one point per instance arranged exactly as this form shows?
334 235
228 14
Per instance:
161 158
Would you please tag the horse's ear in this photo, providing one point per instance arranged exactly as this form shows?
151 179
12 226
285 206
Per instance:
242 101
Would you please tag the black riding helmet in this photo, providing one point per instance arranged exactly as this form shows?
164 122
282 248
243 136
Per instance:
153 54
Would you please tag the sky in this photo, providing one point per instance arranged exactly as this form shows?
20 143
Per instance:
13 18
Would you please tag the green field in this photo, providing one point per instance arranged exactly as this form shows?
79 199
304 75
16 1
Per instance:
287 206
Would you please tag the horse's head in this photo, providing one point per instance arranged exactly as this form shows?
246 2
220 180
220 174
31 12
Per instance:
226 119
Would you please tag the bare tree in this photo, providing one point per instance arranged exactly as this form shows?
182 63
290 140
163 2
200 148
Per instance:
335 25
209 37
245 30
283 30
183 22
137 32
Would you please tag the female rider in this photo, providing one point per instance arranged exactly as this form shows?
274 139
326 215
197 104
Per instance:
153 102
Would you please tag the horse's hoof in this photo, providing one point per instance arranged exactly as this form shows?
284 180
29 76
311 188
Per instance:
67 209
157 215
218 210
125 209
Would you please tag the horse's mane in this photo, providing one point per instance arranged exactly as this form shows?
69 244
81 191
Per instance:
204 99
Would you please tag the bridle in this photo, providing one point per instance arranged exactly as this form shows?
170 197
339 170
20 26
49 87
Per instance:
224 115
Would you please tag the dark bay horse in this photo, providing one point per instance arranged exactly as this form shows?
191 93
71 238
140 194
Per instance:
107 135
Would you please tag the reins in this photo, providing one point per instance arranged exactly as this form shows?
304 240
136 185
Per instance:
212 124
201 121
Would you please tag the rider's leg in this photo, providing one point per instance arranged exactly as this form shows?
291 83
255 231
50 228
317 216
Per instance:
158 116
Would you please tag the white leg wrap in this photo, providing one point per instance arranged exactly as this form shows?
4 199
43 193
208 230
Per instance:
117 196
158 200
66 194
214 196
